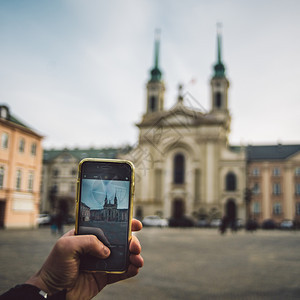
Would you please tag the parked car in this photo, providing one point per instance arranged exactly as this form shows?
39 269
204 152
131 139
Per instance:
215 223
43 219
203 223
286 224
155 221
268 224
239 223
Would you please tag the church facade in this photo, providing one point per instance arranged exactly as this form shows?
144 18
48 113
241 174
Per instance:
184 164
109 213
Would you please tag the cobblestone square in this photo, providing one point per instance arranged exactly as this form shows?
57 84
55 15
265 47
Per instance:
180 264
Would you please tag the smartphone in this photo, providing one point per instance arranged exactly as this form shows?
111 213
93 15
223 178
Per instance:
105 190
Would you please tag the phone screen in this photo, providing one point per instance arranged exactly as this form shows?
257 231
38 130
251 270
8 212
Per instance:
104 211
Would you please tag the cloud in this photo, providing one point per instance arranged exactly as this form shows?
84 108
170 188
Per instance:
77 71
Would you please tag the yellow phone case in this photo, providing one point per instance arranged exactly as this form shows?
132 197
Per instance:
132 187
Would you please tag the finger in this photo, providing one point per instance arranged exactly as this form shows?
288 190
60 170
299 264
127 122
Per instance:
136 260
136 225
132 271
135 246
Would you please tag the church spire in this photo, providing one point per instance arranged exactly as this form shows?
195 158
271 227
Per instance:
155 72
155 86
116 200
219 82
219 66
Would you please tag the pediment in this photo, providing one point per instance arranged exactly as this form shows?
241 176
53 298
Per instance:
178 116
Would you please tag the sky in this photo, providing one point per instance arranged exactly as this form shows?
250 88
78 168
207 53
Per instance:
94 193
76 71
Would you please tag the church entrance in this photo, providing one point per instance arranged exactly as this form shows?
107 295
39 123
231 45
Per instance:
178 209
231 212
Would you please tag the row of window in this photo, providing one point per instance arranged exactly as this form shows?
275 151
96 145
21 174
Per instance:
72 187
56 172
277 208
276 171
19 179
21 144
276 189
179 169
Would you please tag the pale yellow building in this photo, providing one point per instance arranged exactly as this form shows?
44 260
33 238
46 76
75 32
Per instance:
20 172
274 179
184 164
59 176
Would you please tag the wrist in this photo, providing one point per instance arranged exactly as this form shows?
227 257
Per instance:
29 291
36 281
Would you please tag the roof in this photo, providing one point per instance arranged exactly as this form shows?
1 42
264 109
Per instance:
171 117
271 152
11 120
108 152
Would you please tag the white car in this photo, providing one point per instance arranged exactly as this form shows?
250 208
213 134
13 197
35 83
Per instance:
155 221
287 224
43 219
215 223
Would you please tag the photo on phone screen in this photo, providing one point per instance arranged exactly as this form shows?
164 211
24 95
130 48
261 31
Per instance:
104 211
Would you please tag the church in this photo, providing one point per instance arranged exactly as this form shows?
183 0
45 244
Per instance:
185 166
109 213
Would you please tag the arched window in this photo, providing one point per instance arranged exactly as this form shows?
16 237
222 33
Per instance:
33 149
30 181
4 140
178 169
230 182
218 100
153 104
22 145
19 180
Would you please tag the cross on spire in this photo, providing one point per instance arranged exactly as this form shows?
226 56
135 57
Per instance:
219 66
155 72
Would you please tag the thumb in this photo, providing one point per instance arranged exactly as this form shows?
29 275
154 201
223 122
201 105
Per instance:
89 244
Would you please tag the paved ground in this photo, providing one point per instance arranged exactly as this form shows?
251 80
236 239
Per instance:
181 264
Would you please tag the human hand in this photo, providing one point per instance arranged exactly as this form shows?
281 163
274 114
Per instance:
61 269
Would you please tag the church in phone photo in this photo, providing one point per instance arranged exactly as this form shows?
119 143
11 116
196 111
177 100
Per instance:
109 212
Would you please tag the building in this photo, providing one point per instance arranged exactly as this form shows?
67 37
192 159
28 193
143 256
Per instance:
273 174
184 164
20 172
110 212
60 174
